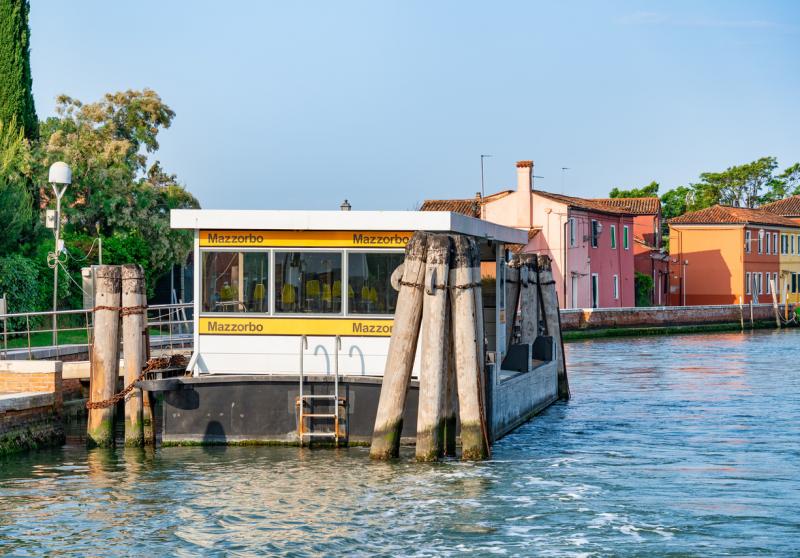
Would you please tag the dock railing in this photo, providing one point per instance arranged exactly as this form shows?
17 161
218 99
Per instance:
30 334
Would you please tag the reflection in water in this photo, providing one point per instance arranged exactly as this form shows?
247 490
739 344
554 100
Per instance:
685 445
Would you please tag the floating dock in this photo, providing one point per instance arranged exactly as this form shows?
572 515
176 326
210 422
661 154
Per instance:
293 315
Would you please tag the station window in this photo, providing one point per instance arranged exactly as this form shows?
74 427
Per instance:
235 281
369 286
308 282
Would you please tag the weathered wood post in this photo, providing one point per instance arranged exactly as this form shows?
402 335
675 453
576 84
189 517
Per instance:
133 324
402 349
148 398
553 316
774 290
451 393
512 297
104 355
752 323
465 349
433 365
741 313
529 302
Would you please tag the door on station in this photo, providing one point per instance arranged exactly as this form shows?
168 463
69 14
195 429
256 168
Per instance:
574 291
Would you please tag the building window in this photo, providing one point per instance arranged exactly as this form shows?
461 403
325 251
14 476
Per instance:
784 244
775 243
760 281
572 232
616 287
625 237
747 283
794 282
769 284
235 282
369 288
798 243
595 232
595 290
613 237
761 241
769 243
308 282
748 238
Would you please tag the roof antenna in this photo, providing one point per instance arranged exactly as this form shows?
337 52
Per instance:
563 169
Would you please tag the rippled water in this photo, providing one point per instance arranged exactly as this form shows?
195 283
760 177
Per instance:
681 446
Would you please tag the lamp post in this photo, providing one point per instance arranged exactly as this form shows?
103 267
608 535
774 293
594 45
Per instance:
483 194
60 177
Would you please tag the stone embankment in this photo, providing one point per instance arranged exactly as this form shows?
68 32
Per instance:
31 403
675 317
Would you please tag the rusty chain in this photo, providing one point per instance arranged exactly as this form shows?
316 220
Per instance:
123 310
152 365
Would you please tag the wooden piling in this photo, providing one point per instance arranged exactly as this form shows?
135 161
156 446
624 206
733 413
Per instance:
512 297
529 302
774 291
465 349
451 393
752 323
133 324
148 398
547 290
433 364
402 349
104 355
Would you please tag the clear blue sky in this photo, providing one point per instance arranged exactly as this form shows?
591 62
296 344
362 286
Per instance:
301 104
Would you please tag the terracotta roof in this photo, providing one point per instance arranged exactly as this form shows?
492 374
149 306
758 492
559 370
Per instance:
726 215
786 207
524 164
582 203
638 206
470 207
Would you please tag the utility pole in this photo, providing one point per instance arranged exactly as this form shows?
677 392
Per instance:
483 193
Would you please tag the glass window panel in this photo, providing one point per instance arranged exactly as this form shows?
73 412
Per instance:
308 282
235 281
370 288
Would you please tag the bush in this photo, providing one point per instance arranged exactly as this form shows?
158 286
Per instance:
19 282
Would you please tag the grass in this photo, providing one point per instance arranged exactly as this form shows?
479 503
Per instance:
45 338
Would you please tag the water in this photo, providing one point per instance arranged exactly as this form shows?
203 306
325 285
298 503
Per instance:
674 446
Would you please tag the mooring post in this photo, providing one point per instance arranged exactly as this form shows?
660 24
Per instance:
529 302
451 392
133 320
402 349
104 355
464 320
752 324
148 399
433 364
774 291
512 297
741 313
553 316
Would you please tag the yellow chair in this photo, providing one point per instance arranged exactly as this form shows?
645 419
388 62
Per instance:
259 296
337 289
327 296
373 295
226 292
364 293
288 296
312 288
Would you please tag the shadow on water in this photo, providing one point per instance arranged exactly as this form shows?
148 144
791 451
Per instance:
684 445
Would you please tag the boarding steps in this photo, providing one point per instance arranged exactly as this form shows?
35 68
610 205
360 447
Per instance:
307 416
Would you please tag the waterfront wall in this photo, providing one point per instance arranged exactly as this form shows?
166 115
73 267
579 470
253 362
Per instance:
31 403
664 316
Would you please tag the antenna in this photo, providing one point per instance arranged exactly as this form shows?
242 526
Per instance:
563 171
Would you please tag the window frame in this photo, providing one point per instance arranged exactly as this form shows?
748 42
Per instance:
595 234
235 250
616 287
760 242
774 244
346 281
748 239
613 236
748 285
626 245
572 233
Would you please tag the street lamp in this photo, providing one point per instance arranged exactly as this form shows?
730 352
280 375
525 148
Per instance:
60 177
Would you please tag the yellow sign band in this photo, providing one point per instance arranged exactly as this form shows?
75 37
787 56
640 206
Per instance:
310 239
295 326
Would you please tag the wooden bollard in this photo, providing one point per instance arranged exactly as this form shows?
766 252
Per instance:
465 349
105 355
547 289
133 324
402 349
512 297
451 394
529 302
433 365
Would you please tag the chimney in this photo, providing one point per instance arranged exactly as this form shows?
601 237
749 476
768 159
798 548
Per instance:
524 196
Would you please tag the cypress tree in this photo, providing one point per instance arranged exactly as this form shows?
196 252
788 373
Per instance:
16 95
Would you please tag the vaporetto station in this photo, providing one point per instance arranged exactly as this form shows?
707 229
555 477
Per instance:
287 301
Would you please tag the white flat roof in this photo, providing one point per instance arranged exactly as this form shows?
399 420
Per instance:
434 221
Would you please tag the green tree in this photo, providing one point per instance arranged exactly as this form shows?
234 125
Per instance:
16 205
785 184
16 96
643 285
649 191
740 185
115 193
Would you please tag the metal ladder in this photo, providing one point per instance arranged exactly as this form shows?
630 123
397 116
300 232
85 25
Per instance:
304 400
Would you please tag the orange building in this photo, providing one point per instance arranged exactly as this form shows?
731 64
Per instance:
724 255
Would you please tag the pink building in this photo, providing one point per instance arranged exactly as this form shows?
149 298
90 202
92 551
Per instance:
590 243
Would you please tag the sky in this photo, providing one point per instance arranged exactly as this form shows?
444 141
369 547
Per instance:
299 105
